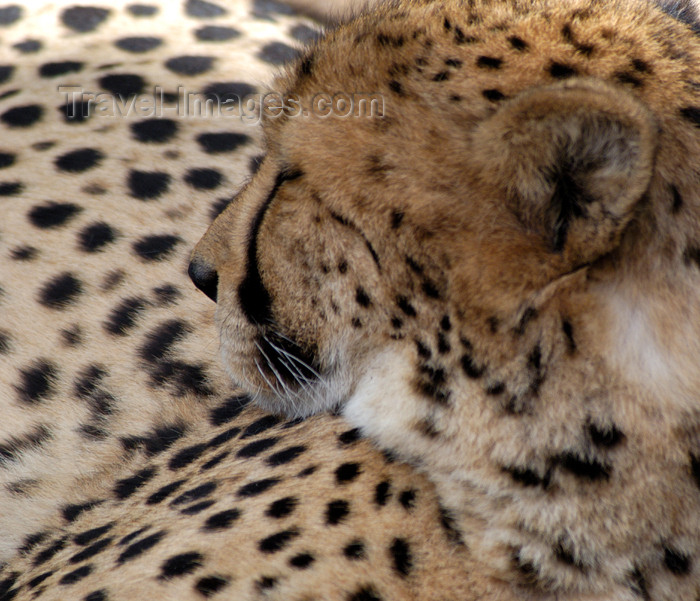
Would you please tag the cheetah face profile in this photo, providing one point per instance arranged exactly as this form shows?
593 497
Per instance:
317 274
497 278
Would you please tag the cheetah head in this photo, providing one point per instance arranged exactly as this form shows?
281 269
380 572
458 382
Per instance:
497 278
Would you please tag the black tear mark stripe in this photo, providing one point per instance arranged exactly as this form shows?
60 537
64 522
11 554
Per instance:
254 297
349 224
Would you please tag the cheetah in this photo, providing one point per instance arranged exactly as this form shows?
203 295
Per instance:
452 350
498 280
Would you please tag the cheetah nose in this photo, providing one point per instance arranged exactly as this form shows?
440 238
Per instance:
204 277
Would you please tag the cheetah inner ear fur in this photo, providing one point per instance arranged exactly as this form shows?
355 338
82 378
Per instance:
574 159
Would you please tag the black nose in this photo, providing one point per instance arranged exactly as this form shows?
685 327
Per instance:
204 277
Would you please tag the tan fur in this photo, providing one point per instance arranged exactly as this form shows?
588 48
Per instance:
498 279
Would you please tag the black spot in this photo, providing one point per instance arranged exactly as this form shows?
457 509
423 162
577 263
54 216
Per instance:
403 303
164 492
337 511
190 65
347 472
677 200
33 583
561 71
28 46
204 10
167 294
692 255
470 367
355 550
24 253
526 476
265 583
228 91
396 87
278 53
695 468
362 297
382 493
518 43
10 188
71 513
677 562
282 507
100 595
55 69
123 84
489 62
493 95
128 486
692 114
78 161
252 489
255 448
224 437
123 317
221 520
302 561
215 460
36 382
213 33
91 551
305 34
582 467
10 14
7 159
161 438
607 436
203 179
156 248
285 456
13 448
229 410
408 499
182 564
85 538
278 541
461 38
366 593
396 219
186 456
441 76
83 18
639 584
146 185
350 436
93 238
194 494
74 111
261 425
400 551
76 575
625 77
53 214
160 340
214 143
210 585
49 551
154 130
138 44
31 541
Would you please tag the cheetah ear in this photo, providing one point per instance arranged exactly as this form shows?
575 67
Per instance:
574 159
